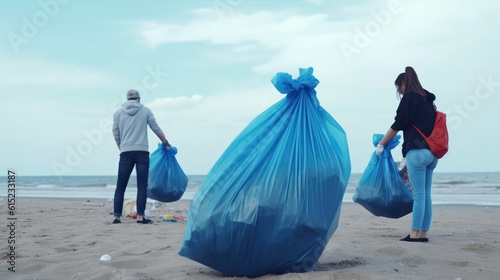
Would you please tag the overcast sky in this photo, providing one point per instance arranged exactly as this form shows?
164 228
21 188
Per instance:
204 69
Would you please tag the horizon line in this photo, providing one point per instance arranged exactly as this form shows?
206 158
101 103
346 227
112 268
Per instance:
207 174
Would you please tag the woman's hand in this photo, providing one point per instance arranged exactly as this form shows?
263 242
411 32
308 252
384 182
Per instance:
379 150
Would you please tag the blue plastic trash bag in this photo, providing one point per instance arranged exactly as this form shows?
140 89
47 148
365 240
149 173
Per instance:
380 189
272 201
167 182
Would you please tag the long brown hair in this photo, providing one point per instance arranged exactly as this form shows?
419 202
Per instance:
412 83
398 83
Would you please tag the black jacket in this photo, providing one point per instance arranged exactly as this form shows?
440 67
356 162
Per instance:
414 109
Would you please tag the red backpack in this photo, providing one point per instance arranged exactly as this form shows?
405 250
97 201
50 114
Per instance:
438 140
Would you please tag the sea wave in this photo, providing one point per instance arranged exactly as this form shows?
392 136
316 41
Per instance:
447 188
478 187
453 182
46 186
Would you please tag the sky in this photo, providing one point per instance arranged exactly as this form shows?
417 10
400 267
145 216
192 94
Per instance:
204 69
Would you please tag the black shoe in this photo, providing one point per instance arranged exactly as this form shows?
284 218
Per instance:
424 239
145 221
116 221
409 239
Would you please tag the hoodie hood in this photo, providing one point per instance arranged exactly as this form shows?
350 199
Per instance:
430 97
131 107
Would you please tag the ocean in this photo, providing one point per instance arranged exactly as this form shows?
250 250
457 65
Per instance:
448 188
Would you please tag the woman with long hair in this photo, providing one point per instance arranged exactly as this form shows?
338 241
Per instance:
416 108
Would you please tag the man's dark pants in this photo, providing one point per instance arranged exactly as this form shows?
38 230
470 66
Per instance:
139 159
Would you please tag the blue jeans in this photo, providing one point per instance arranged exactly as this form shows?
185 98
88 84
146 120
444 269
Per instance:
127 161
420 164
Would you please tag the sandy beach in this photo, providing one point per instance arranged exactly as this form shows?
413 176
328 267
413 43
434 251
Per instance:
65 239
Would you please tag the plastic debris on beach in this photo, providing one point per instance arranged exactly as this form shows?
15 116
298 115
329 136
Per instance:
105 258
272 201
403 172
130 208
173 218
381 189
167 182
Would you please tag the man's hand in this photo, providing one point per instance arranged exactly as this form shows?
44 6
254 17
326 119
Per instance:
167 144
164 140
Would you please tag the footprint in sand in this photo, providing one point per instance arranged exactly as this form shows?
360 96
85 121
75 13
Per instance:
391 251
338 265
459 264
479 248
132 263
64 249
413 261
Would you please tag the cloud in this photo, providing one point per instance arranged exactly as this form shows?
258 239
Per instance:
179 102
424 35
270 29
317 2
314 39
203 130
450 44
36 72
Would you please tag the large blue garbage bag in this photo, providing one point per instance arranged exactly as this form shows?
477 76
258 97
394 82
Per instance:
381 189
272 201
167 182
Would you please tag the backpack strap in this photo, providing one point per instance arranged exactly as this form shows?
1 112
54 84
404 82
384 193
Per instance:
423 135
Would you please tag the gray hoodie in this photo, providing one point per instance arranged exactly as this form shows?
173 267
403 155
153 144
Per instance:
130 126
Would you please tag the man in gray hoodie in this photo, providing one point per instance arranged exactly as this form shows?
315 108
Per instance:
131 135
